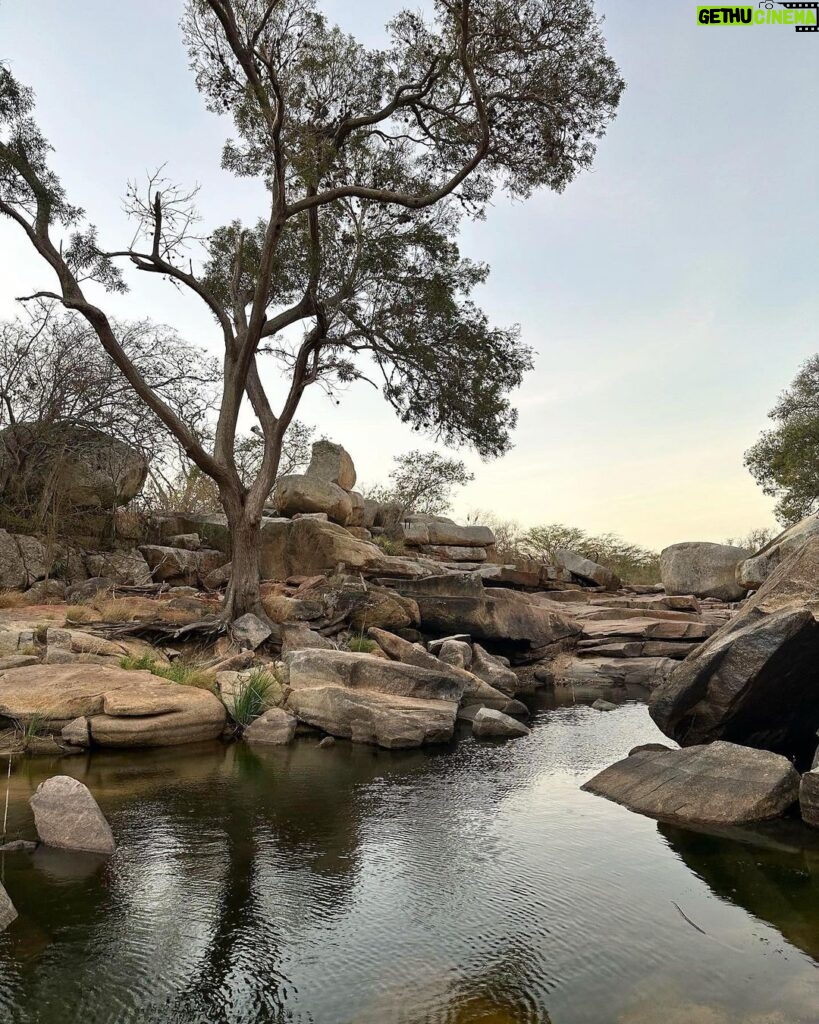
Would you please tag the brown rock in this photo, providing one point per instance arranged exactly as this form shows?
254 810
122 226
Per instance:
68 817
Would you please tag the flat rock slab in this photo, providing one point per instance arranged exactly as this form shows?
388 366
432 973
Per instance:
718 784
365 716
67 817
111 707
7 911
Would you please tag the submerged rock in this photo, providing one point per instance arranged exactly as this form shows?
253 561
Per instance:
718 784
488 722
7 911
68 817
274 728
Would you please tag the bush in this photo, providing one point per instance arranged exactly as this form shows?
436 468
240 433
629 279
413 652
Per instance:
361 645
186 671
251 698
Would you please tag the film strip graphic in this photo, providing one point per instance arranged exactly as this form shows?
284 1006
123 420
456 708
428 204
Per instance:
802 7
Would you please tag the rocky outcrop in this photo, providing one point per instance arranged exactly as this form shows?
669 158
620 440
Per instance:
98 705
424 530
305 494
179 567
809 798
702 569
506 618
718 784
125 568
84 468
12 569
753 572
308 547
587 570
331 462
495 724
274 728
7 911
756 680
68 817
370 700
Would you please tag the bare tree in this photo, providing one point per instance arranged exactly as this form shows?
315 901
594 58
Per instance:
372 154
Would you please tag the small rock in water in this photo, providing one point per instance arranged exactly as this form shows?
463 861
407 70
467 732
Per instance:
68 817
488 722
328 741
7 911
604 705
18 846
274 728
650 747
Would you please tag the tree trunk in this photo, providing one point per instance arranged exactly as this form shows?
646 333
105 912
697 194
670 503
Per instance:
243 592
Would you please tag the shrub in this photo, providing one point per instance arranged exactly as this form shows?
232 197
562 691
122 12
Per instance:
186 671
390 545
251 697
361 645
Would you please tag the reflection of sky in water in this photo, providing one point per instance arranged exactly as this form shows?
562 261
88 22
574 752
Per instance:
355 886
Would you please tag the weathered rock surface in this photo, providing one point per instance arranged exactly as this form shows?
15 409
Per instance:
126 568
753 572
311 668
110 707
249 631
451 553
702 569
596 673
304 493
275 727
491 723
756 680
456 653
604 705
423 530
331 462
298 637
7 911
809 798
586 569
718 784
493 671
68 817
307 547
367 716
13 575
459 603
86 468
180 567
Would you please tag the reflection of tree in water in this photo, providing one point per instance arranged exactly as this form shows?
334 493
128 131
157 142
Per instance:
772 872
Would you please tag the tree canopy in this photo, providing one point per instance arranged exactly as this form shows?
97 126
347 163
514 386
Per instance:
785 460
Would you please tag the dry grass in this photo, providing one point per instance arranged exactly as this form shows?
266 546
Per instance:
12 599
78 613
390 545
179 616
116 610
278 607
187 670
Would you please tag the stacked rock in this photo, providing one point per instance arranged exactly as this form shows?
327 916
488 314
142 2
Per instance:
326 488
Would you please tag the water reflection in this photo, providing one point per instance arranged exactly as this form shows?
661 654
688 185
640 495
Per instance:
354 886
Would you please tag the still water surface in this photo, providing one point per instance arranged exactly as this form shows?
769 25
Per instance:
350 885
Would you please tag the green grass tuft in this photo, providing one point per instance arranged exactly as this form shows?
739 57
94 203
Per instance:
252 697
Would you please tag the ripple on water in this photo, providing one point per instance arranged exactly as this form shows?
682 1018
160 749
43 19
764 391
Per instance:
475 883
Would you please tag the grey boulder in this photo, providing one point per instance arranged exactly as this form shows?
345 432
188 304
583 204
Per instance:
274 728
753 572
68 817
703 569
490 723
7 911
717 784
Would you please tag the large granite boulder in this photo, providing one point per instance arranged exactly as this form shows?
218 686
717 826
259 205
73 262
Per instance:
718 784
753 572
423 530
363 605
497 725
370 700
13 574
68 817
101 705
331 462
809 797
756 680
180 567
367 716
459 603
124 567
301 493
83 467
702 569
310 547
587 570
7 911
311 667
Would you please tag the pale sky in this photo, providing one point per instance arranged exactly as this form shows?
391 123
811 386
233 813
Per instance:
670 294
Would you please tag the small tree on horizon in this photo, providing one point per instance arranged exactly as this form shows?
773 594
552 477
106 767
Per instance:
370 158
